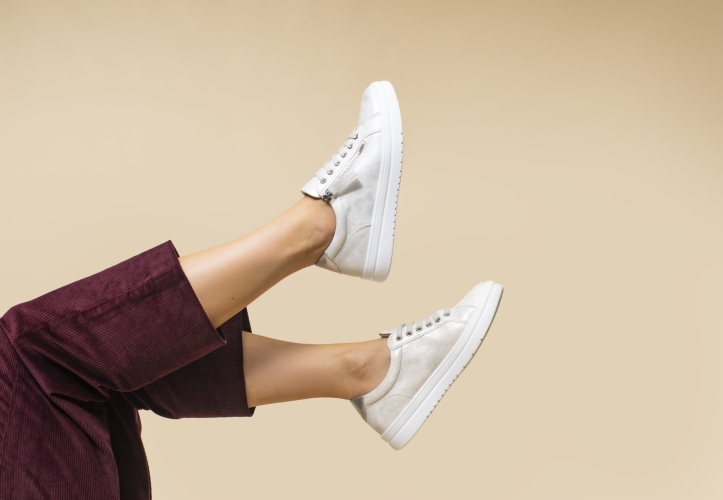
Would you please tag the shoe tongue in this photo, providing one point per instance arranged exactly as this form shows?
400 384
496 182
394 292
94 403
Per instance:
387 333
310 188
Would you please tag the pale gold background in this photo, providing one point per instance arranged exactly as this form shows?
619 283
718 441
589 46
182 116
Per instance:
571 151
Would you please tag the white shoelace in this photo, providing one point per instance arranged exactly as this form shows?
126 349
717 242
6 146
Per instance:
417 326
328 169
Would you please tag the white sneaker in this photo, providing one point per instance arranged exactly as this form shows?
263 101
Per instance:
361 182
426 357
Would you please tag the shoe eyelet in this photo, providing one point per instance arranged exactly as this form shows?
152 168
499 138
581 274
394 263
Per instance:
419 328
336 163
437 320
409 334
446 315
399 338
344 155
349 147
430 324
323 181
331 172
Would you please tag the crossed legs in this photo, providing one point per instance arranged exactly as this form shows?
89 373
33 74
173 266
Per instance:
229 277
346 223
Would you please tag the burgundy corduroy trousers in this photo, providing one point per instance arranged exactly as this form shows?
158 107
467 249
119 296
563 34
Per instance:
78 363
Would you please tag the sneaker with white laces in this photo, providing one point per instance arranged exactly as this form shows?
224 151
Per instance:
426 358
361 182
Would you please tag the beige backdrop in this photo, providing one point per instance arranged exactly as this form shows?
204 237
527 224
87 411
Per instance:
571 151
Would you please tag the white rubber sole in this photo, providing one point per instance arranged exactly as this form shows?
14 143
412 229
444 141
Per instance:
409 421
384 218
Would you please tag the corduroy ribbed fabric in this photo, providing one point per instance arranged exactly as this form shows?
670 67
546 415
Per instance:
78 363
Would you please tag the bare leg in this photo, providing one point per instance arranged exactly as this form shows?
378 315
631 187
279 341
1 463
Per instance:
277 371
229 277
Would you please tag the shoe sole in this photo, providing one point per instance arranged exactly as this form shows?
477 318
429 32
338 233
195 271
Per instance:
384 218
406 425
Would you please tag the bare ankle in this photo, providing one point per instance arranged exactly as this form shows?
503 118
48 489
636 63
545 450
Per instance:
366 365
321 225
